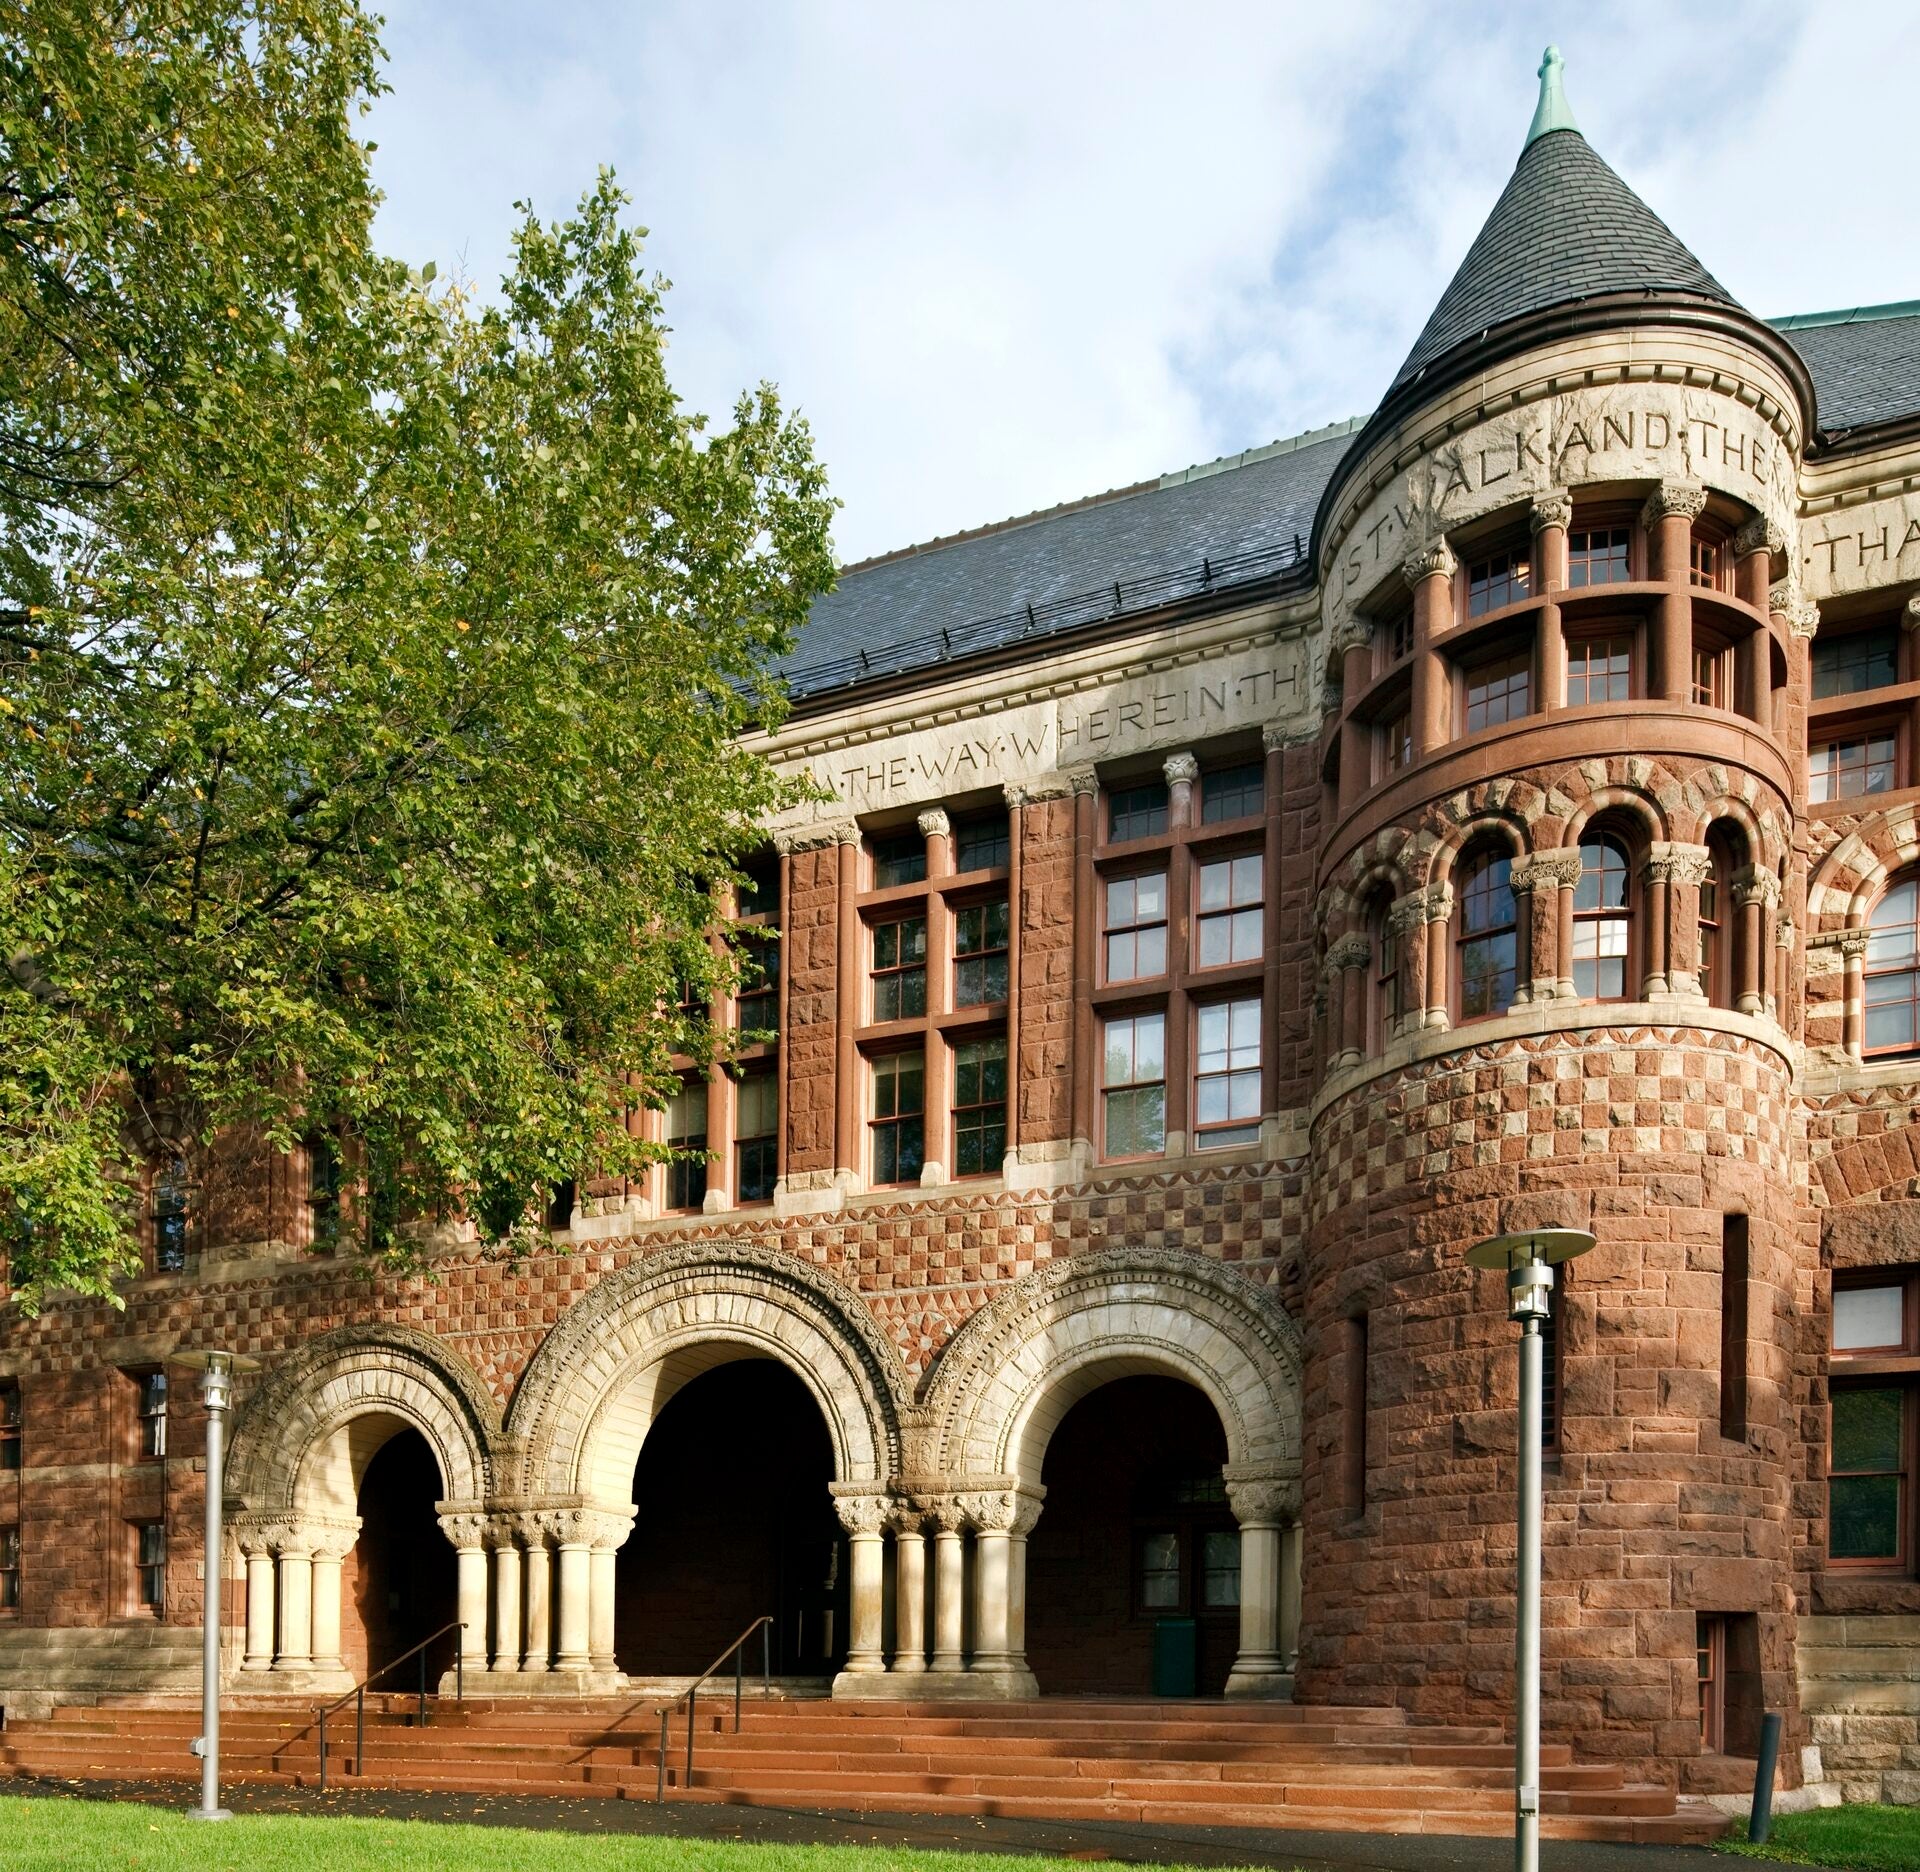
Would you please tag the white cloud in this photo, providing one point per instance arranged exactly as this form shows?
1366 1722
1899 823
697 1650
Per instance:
1006 255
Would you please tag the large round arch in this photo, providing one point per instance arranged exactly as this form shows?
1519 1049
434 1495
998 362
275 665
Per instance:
615 1360
303 1439
1014 1370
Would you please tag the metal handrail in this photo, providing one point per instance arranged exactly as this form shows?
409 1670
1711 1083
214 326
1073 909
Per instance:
358 1695
764 1626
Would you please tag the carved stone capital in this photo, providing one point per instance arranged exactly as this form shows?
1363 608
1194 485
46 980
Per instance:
1801 614
1547 870
1018 793
947 1514
862 1510
934 823
1675 863
1756 885
1433 560
1434 904
1181 769
1264 1501
1345 952
1759 534
817 836
1845 943
1674 500
906 1521
466 1530
1083 780
1551 509
1274 736
1910 615
1353 633
602 1529
1001 1511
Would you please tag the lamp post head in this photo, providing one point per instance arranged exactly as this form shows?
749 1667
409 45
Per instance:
1529 1258
217 1371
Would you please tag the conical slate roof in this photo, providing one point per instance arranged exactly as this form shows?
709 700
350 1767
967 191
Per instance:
1565 228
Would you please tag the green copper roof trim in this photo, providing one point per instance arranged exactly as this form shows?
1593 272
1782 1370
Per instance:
1852 315
1553 111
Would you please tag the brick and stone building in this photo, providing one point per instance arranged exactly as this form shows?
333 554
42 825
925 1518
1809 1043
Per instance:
1230 897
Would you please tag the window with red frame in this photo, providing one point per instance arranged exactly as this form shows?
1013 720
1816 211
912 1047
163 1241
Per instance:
10 1425
1384 1001
1599 669
1710 1650
898 1124
984 844
898 858
1712 676
1713 973
1849 765
1498 690
756 1144
979 1106
1599 556
1501 578
1874 1418
1705 560
150 1565
1392 639
687 1131
152 1389
1136 932
1136 811
899 972
1602 920
1393 744
1226 1077
9 1569
1486 945
1133 1079
1856 661
1231 922
1892 1014
1233 792
980 954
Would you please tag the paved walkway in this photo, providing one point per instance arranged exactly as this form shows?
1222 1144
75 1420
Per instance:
790 1826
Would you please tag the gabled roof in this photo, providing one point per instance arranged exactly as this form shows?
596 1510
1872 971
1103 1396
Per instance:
1865 362
1565 228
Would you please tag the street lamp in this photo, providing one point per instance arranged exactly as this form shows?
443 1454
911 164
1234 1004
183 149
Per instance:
1529 1259
217 1370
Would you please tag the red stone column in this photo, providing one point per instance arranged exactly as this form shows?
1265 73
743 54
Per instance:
1429 575
1688 867
1550 517
1751 891
1353 645
1439 962
1656 880
1016 798
846 996
1272 952
1408 921
1086 917
1183 774
1668 518
937 830
784 1051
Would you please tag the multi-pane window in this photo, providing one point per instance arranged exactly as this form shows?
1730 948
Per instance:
1385 999
687 1131
9 1569
1226 1075
1893 971
982 844
1712 676
1393 743
1599 669
1133 1078
1233 792
980 954
1160 1572
756 1125
1502 578
1852 764
1710 1660
900 969
1499 690
10 1425
1713 973
1220 1568
757 1006
979 1106
1136 932
1230 926
172 1217
1487 942
1137 811
1875 1417
1602 921
150 1563
1392 639
758 892
152 1387
1599 556
899 858
898 1123
323 1187
1860 660
1704 562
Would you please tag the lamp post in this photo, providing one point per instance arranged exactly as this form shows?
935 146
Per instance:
1529 1259
216 1371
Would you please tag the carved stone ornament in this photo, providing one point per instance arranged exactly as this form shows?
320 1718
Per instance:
1678 864
1434 904
1846 943
1434 560
465 1530
1018 793
1274 736
1552 509
817 836
862 1511
1181 769
906 1521
1548 870
1354 633
1760 534
934 823
1784 933
1264 1501
947 1514
1910 616
1802 615
1756 885
1001 1511
1674 500
1083 780
1346 952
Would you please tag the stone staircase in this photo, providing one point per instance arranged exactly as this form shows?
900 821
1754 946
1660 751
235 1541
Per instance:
1242 1765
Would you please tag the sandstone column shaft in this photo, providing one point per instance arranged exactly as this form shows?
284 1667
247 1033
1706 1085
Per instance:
259 1652
910 1599
506 1606
949 1599
471 1588
539 1594
867 1575
992 1565
326 1611
296 1610
600 1596
575 1569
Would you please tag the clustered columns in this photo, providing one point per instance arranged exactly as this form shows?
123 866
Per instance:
1348 958
1543 887
293 1593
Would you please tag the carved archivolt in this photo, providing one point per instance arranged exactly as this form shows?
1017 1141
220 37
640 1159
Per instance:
304 1436
1009 1375
608 1367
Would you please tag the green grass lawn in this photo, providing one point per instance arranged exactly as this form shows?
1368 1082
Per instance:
1875 1839
108 1836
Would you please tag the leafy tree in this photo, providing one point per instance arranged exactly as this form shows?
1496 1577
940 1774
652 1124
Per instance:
376 662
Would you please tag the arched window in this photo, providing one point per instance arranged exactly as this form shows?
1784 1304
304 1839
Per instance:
1602 920
1486 936
1717 919
1383 978
1893 971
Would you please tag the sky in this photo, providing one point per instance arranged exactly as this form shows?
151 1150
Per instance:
1002 256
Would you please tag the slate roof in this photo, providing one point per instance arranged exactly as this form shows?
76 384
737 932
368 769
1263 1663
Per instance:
1865 363
1565 228
1204 529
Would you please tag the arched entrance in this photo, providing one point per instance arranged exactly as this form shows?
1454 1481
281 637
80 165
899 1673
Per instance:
398 1582
1133 1570
733 1519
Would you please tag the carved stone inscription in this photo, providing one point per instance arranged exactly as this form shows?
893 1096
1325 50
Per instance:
1859 548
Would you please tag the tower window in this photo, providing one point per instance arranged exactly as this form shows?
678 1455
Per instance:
1599 556
1599 669
1499 690
1893 971
1602 921
1502 578
1137 811
1488 941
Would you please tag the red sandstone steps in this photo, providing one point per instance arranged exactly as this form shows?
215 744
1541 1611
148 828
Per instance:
1270 1766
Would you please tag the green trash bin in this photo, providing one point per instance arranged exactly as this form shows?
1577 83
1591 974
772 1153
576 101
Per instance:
1176 1657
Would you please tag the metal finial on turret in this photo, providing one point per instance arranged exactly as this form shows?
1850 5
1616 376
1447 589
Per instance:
1552 112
